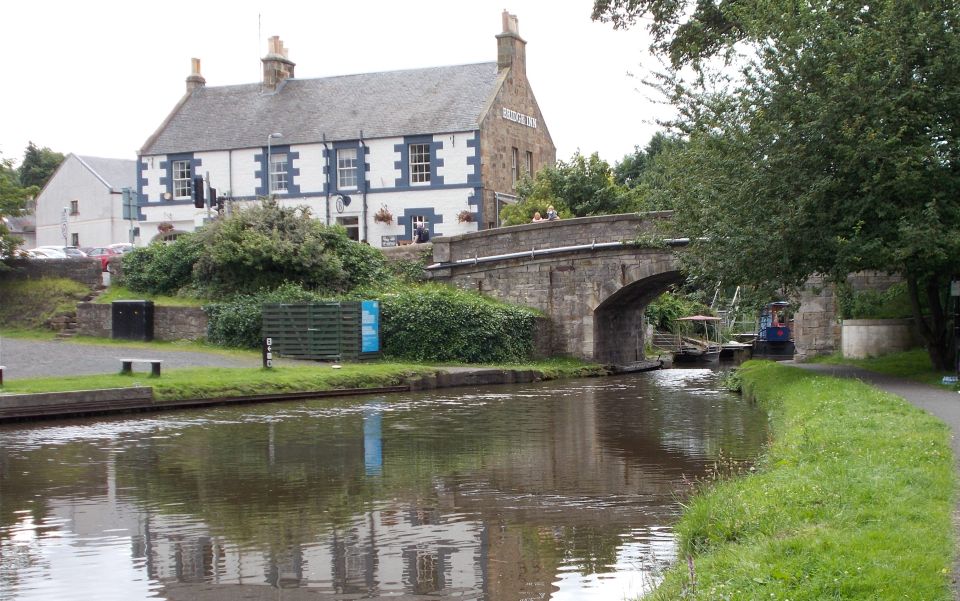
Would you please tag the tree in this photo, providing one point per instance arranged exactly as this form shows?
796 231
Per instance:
629 172
13 202
578 188
833 149
38 165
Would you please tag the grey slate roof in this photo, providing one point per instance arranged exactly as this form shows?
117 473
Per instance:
116 174
386 104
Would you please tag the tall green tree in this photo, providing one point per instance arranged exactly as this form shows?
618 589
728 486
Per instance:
13 202
38 165
579 187
629 171
833 148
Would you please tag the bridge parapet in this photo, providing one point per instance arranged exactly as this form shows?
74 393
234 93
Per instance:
546 234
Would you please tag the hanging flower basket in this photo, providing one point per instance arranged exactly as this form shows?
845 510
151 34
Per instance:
165 227
465 217
383 215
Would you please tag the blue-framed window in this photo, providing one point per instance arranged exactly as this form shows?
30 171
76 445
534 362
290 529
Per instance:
347 168
182 179
279 176
418 162
279 172
418 156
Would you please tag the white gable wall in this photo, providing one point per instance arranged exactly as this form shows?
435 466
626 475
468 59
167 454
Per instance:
98 220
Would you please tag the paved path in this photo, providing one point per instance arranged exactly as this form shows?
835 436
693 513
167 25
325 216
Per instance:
42 358
943 403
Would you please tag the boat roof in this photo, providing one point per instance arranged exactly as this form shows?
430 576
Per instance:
699 318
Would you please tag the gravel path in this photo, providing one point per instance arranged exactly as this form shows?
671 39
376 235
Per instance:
41 358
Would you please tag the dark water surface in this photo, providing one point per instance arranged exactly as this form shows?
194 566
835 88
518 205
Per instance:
556 490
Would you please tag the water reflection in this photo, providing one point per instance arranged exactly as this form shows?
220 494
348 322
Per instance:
553 490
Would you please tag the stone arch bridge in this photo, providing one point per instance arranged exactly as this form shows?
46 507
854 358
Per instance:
590 276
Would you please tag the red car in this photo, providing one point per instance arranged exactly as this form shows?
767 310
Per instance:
103 253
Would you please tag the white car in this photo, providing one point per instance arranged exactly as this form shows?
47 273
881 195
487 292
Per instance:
66 251
121 247
46 253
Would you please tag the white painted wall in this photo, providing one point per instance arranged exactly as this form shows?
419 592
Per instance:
98 220
235 172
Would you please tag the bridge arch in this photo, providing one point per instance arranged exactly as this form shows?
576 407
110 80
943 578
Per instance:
590 276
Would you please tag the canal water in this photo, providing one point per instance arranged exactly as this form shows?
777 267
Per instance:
557 490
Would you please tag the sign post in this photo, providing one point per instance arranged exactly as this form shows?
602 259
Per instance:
267 353
63 225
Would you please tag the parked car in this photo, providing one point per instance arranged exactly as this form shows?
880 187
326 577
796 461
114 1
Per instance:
67 251
47 253
121 247
104 253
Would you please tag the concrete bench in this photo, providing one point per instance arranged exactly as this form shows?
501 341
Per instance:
127 366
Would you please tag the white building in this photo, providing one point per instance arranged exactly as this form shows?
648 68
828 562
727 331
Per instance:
81 205
377 153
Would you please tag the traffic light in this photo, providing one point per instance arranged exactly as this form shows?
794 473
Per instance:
198 200
213 197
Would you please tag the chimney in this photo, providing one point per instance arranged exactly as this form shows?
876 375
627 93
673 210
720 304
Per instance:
195 80
511 48
276 65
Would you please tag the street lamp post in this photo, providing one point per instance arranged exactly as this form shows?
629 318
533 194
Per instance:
269 166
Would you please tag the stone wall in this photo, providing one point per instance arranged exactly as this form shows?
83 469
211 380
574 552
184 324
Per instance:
499 135
816 324
169 323
179 323
546 234
863 338
88 271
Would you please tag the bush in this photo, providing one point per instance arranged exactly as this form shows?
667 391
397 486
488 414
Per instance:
892 303
670 306
161 268
264 246
439 323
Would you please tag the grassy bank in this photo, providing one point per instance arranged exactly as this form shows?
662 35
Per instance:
853 500
211 382
913 364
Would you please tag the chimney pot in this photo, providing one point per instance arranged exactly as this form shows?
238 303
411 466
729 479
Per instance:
195 80
276 65
511 48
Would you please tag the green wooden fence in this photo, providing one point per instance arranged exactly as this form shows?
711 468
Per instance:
317 331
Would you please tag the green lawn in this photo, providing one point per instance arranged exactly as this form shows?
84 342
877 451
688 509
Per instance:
212 382
852 500
913 364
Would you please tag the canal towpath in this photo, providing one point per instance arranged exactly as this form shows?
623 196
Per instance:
942 403
25 358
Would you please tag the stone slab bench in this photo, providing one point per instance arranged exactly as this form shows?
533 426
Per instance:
126 365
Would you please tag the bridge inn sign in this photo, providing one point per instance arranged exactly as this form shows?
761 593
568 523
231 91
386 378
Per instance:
378 153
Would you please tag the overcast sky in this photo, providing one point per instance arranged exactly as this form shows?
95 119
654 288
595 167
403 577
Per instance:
98 77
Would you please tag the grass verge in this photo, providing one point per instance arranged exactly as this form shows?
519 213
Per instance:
852 500
913 364
214 382
117 292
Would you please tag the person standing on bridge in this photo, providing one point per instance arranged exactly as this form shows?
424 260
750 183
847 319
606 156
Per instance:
552 214
536 217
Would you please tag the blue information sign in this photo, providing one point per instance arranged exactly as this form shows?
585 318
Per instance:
370 326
